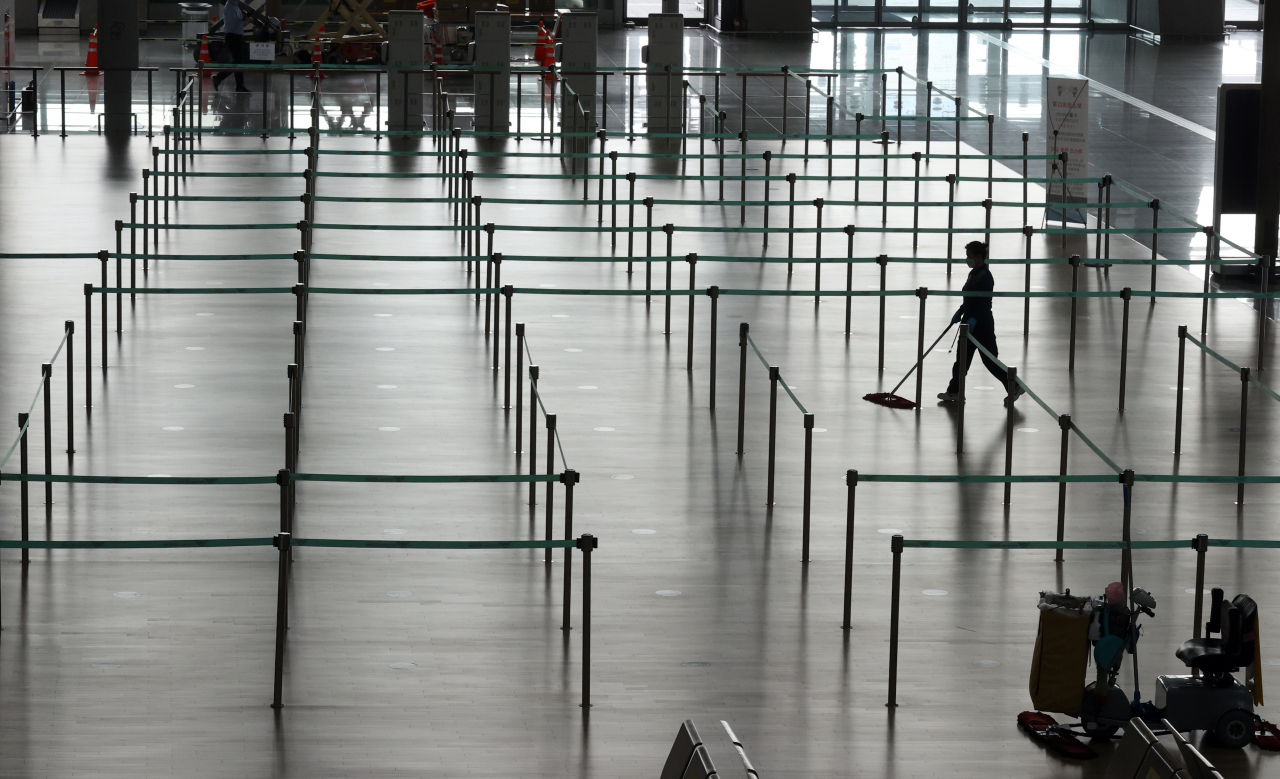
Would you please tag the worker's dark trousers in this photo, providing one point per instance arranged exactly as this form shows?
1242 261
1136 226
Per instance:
984 333
238 50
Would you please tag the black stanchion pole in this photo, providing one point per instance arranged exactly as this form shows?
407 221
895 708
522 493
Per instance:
648 248
713 292
1177 418
1201 544
568 479
817 265
808 486
883 262
895 604
508 292
743 329
1075 279
1125 295
46 378
281 542
742 149
773 426
986 206
768 160
519 389
70 327
1264 280
915 209
951 219
1064 424
692 259
102 259
1011 385
848 284
1155 243
666 328
1126 555
88 350
551 467
791 215
24 487
495 259
884 178
290 464
857 156
1027 230
962 371
1244 421
923 294
631 219
119 277
850 479
533 436
586 543
291 371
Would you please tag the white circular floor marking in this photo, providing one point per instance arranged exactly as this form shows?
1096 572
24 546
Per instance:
559 316
587 386
389 429
174 428
667 593
159 476
384 349
573 350
395 531
386 386
621 477
987 663
204 313
603 429
195 348
934 593
382 315
643 531
1028 429
889 531
125 594
184 386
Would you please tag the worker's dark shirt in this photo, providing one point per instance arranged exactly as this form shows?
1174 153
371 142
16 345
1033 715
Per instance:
977 306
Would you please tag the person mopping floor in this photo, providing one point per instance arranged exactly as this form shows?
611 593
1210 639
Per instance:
975 311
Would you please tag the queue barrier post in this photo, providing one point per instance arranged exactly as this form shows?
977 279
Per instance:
508 292
1126 554
915 209
1155 243
281 542
713 292
669 229
895 605
533 437
962 370
1064 424
692 259
519 391
70 328
883 262
848 284
551 466
24 488
768 160
1264 281
817 264
88 350
791 216
648 249
1125 295
1027 230
1177 418
631 219
46 380
923 294
951 219
1244 421
773 427
495 261
1011 387
851 481
586 543
808 486
743 330
568 479
1075 286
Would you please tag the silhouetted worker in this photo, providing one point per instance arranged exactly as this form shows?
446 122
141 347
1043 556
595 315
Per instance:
975 311
233 31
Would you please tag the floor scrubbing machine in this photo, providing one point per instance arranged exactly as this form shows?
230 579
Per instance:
1210 699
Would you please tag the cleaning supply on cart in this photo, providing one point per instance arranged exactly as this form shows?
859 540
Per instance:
1061 653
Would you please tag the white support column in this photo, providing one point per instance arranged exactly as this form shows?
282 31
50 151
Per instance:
492 53
666 47
405 52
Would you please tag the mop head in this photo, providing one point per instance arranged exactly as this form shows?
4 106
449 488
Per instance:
889 399
1045 729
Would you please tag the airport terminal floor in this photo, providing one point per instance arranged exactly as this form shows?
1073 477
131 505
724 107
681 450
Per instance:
708 488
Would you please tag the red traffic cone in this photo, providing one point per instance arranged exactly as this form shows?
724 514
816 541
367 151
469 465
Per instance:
204 50
539 50
317 59
91 62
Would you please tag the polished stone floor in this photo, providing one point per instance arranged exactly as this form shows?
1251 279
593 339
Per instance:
158 663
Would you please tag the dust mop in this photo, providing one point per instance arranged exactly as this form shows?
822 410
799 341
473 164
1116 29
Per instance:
897 401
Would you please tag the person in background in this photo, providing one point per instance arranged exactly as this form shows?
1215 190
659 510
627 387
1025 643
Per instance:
233 29
975 311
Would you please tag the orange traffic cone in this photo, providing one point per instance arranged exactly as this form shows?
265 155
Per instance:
91 62
540 47
204 50
548 60
317 59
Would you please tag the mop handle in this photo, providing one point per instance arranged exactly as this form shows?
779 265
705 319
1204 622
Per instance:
917 365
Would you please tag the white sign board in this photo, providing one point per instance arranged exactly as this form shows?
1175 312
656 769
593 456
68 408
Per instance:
1067 112
262 51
